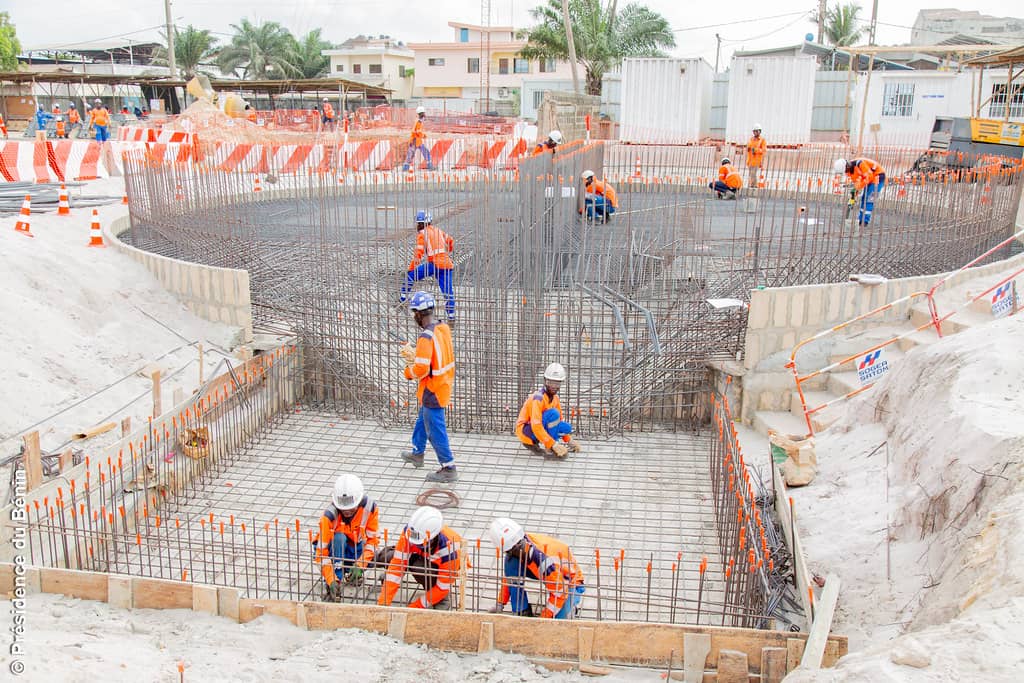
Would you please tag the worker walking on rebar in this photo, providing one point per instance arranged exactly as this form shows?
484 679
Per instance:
542 558
436 246
348 535
549 145
328 114
729 181
540 420
432 362
431 552
600 200
417 141
756 147
868 178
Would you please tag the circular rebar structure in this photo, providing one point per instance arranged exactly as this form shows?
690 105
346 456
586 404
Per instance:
624 304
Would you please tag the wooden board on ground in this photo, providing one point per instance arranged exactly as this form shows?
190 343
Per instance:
814 650
791 536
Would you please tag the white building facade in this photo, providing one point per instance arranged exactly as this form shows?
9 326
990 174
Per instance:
380 61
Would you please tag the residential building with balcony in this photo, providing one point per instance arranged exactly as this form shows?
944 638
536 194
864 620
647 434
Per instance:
380 61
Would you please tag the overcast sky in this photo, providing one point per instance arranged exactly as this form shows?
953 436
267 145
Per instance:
750 24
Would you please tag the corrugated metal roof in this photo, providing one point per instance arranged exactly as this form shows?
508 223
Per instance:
1013 55
827 53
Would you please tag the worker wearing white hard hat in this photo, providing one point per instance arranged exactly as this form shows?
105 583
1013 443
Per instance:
541 558
540 426
327 114
599 198
348 535
756 148
431 552
418 141
553 140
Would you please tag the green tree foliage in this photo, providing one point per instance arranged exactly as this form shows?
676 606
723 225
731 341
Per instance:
10 48
258 51
192 47
602 35
842 24
305 58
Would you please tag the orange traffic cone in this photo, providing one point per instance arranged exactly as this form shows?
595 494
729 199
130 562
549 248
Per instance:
637 173
256 187
124 199
95 234
63 208
22 225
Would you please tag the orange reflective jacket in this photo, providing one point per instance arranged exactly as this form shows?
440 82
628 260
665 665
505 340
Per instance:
360 528
443 559
328 111
434 366
531 414
418 136
73 116
436 244
540 148
865 172
548 560
728 175
60 129
755 151
605 190
100 117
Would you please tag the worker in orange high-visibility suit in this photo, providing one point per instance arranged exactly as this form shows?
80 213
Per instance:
417 141
599 199
436 246
756 147
348 535
868 179
328 114
729 181
74 120
549 145
432 363
62 131
540 420
99 117
542 558
431 552
250 114
3 127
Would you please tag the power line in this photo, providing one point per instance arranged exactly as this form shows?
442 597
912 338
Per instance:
51 48
765 35
740 21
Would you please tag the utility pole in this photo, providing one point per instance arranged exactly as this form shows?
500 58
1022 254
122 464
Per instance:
170 39
822 11
718 50
572 46
874 21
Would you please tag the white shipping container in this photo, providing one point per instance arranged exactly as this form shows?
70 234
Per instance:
776 92
665 100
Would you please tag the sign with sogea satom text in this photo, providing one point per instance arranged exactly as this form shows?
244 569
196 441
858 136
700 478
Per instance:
997 132
1002 300
871 366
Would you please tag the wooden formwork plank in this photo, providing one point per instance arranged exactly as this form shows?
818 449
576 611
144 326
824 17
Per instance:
33 461
773 664
249 609
486 641
732 667
814 650
791 537
161 594
73 583
696 648
396 626
794 652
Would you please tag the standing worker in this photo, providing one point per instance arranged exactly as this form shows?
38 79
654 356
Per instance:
41 118
432 362
431 553
756 147
417 141
600 199
540 419
437 246
868 179
539 557
3 126
348 535
74 120
549 145
99 119
56 109
328 114
62 131
729 181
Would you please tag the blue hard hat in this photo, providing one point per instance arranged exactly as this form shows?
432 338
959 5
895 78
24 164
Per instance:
421 301
424 217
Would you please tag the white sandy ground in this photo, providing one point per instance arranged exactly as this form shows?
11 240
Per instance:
74 320
71 640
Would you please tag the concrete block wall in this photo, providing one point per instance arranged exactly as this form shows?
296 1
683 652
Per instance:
219 295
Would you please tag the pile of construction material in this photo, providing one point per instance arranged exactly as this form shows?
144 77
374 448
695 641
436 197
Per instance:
45 197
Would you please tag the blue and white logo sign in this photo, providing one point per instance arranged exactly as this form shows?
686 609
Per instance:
1002 300
871 367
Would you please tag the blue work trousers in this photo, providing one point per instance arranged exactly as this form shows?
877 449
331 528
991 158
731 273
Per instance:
720 187
430 426
410 157
444 282
867 201
519 600
598 206
102 133
344 554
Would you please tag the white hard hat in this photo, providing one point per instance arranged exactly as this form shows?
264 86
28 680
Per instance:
725 160
757 126
555 136
425 523
505 533
839 166
348 492
325 99
421 110
555 372
587 174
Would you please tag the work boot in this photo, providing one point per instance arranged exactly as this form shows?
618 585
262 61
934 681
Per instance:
445 475
412 457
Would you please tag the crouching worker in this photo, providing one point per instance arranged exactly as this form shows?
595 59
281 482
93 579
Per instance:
729 181
430 551
540 420
599 199
539 557
348 535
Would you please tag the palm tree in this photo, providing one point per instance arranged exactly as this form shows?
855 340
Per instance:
305 56
259 51
841 24
192 48
602 36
